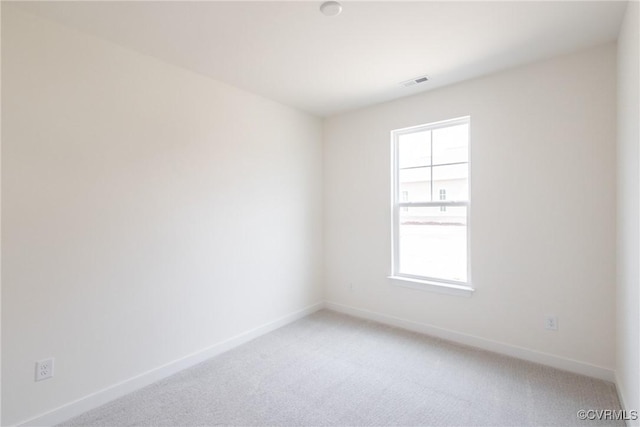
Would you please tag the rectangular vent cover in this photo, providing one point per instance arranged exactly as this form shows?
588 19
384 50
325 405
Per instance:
415 81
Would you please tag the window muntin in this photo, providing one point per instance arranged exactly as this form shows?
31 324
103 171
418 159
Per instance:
431 202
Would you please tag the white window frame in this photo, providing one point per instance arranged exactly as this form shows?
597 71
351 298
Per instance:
421 282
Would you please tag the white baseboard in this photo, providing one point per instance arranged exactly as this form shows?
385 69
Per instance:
565 364
115 391
623 403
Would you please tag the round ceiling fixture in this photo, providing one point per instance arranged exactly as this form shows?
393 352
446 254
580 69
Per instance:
331 8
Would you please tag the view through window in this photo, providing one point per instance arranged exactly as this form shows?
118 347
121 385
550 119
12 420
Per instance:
431 202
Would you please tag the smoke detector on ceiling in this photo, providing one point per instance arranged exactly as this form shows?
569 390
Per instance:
415 81
331 8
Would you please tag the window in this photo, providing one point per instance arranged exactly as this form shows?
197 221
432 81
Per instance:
443 196
431 203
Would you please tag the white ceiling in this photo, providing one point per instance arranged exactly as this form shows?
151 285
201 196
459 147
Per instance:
291 53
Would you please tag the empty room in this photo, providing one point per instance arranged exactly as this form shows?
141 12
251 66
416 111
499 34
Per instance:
305 213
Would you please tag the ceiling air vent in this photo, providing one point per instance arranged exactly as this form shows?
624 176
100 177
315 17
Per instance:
415 81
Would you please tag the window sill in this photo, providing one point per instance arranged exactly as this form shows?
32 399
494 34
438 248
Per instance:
438 287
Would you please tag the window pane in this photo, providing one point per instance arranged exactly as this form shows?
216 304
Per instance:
451 144
433 243
414 149
453 179
416 182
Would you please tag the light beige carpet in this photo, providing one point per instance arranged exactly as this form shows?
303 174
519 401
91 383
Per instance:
332 369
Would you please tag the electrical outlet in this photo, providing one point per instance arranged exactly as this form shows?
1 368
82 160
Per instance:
551 322
44 369
351 289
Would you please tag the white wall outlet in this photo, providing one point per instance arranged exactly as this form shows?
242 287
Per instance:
551 322
44 369
351 288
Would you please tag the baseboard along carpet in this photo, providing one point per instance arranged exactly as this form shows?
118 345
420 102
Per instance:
330 369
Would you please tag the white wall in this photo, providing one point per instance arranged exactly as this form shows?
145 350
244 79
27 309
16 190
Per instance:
628 295
148 212
542 208
0 223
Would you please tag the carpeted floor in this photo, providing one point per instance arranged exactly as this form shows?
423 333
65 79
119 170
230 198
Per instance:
332 369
